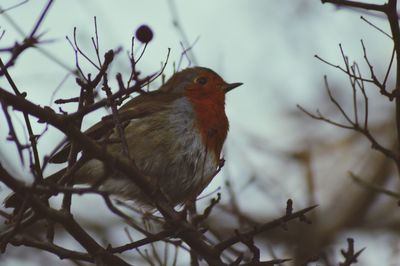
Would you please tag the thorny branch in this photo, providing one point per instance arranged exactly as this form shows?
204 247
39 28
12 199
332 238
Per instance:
389 9
357 84
358 119
350 256
30 41
267 226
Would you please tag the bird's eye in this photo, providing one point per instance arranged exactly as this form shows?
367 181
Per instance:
201 80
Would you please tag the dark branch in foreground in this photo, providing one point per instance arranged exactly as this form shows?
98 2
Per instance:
267 226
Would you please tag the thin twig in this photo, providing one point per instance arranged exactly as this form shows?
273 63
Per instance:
340 68
376 27
178 25
37 168
319 116
13 135
373 187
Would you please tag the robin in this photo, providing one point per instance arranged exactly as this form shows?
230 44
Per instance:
174 135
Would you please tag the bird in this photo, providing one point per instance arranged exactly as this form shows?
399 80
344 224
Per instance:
174 135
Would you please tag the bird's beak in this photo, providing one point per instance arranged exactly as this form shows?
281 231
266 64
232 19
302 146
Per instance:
231 86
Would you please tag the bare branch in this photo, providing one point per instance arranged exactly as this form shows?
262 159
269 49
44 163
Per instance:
374 7
220 247
319 116
32 137
376 27
61 252
373 187
341 69
349 255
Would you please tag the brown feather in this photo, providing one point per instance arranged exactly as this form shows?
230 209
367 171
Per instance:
138 107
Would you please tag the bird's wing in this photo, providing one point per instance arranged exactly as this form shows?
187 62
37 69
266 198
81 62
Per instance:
140 106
